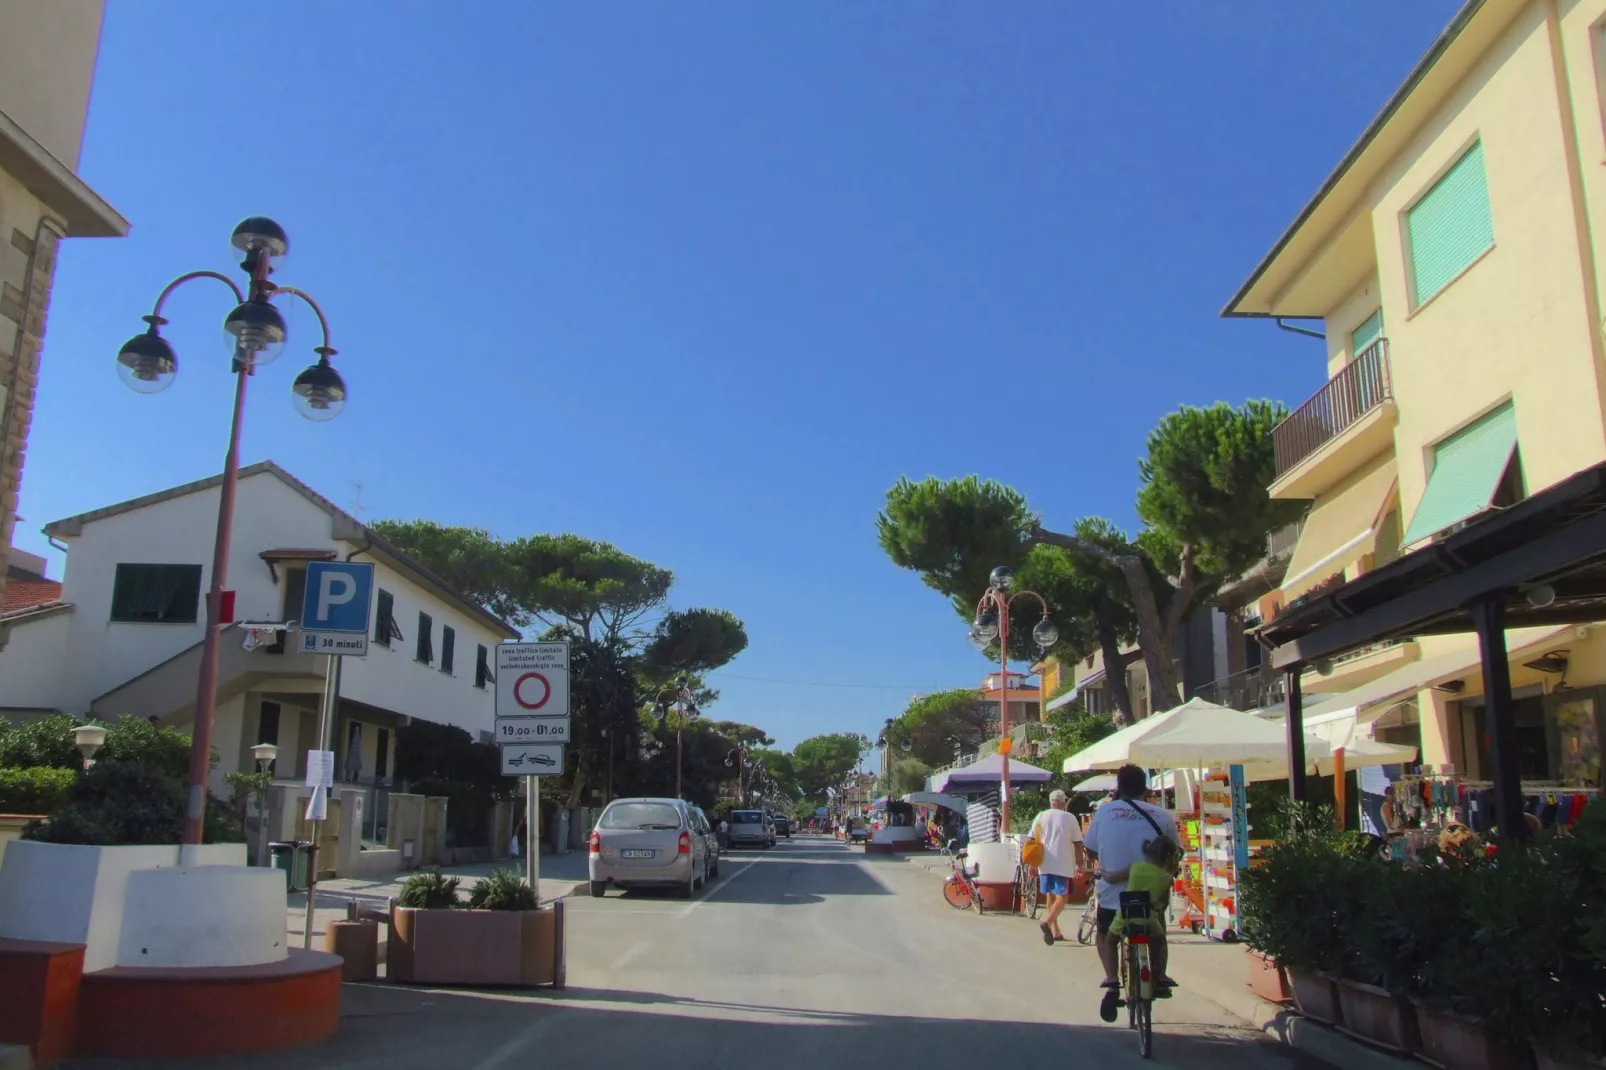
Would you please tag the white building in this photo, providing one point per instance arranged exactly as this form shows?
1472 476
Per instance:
125 635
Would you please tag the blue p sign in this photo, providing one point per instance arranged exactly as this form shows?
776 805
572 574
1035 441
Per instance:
338 596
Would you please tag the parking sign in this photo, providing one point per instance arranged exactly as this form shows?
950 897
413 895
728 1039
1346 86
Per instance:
336 609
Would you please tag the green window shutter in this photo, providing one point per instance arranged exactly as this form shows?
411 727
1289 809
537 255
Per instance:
1450 226
1366 334
1467 469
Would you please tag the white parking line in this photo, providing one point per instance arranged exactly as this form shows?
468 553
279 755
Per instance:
726 883
630 955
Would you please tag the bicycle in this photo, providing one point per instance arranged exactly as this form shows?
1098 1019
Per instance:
959 888
1137 977
1088 924
1029 888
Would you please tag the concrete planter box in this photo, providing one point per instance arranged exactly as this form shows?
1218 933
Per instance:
1456 1042
1267 979
1545 1059
77 894
1316 996
1376 1016
473 947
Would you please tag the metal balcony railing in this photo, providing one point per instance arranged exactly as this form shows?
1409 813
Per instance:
1362 386
1250 689
1280 543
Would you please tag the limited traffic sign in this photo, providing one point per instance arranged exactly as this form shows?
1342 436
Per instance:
335 608
532 729
532 680
532 759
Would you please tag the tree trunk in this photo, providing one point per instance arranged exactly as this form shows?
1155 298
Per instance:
1115 671
1155 637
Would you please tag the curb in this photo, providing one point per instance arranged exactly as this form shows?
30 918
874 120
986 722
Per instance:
1289 1027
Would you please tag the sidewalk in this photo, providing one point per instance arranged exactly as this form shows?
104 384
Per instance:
561 875
1217 972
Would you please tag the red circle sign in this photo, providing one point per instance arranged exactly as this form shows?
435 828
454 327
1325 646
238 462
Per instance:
518 691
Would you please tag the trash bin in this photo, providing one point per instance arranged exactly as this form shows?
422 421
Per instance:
292 858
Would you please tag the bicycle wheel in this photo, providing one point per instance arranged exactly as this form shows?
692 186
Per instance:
975 897
956 893
1030 897
1088 925
1145 1020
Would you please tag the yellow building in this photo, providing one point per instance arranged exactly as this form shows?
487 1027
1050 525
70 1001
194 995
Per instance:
1453 259
47 62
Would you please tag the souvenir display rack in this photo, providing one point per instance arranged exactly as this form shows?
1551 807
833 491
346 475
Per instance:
1219 857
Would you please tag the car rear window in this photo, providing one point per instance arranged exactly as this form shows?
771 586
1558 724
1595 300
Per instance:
635 815
747 817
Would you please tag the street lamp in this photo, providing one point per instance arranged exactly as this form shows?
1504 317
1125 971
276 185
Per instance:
255 334
685 709
992 622
738 759
89 738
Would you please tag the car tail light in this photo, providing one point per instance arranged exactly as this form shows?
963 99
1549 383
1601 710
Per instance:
685 843
596 842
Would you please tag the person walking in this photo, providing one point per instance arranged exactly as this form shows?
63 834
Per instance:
1060 835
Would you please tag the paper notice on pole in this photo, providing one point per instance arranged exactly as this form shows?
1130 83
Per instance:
318 805
320 768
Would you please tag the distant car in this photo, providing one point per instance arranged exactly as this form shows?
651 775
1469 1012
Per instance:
751 828
645 843
783 825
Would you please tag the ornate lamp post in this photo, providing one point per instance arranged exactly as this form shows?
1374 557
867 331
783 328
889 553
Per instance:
992 621
686 711
255 334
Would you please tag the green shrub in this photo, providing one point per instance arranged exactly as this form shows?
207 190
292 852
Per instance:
429 890
502 889
121 803
48 742
38 790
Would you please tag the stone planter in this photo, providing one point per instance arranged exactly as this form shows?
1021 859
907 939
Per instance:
1267 979
474 947
1456 1042
1316 996
998 897
1545 1059
1376 1016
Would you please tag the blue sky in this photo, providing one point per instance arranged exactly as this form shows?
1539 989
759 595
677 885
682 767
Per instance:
731 268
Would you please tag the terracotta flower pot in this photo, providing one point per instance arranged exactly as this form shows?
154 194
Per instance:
1456 1042
1546 1059
472 947
1376 1016
1266 979
1316 996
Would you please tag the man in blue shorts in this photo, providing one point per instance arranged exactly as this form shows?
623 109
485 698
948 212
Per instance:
1061 836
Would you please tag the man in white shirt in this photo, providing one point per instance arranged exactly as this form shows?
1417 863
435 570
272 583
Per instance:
1061 836
1116 837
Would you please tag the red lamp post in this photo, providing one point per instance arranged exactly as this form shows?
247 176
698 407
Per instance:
256 334
992 622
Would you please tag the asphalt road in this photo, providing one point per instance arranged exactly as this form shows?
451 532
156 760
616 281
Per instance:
806 956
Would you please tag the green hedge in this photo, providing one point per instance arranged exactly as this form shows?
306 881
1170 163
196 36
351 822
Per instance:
34 791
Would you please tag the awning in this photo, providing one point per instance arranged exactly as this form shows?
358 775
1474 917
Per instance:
1341 527
1420 675
931 798
1467 469
1065 699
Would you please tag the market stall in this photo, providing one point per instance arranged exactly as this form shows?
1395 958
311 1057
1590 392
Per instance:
995 853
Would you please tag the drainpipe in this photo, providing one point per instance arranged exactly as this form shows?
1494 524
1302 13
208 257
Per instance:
1291 329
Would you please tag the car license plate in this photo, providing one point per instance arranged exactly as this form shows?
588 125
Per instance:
636 852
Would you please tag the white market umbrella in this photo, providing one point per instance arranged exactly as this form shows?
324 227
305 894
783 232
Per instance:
1097 785
1194 734
1361 753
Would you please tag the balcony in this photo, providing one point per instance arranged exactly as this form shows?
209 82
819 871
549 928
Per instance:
1344 423
1251 689
1280 543
1360 667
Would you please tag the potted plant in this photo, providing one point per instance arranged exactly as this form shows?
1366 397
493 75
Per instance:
501 936
1403 918
1290 913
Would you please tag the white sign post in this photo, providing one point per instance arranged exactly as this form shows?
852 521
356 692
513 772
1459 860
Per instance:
532 726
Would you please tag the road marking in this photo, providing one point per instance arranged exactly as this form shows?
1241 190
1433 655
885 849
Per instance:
630 955
518 1042
726 883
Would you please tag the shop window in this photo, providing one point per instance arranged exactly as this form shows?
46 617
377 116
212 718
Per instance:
1573 737
156 594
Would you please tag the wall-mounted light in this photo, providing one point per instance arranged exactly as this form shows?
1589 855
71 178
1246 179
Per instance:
1451 687
1540 595
1552 663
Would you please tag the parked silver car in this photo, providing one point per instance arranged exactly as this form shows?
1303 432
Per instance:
751 828
644 843
710 836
